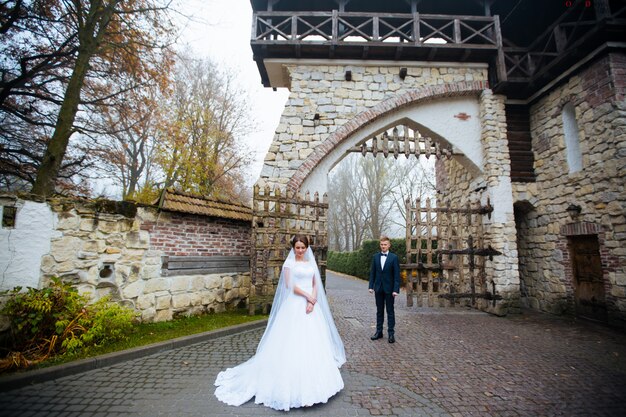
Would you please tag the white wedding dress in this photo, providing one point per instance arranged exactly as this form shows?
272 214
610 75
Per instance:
297 361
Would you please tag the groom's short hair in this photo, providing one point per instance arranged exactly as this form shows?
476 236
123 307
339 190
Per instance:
385 238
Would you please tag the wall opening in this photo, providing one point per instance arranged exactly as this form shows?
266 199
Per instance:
572 139
522 211
9 214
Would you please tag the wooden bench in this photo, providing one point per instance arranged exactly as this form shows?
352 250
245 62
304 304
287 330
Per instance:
201 265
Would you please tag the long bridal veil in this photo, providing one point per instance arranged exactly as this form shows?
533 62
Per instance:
284 290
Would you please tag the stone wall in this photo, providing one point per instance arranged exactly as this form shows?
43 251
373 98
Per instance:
105 251
323 104
322 90
598 96
457 186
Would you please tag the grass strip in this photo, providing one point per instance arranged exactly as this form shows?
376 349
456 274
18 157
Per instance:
147 333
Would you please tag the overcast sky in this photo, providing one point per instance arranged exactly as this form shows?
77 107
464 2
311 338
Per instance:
221 30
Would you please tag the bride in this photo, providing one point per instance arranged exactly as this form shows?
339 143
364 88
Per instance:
298 358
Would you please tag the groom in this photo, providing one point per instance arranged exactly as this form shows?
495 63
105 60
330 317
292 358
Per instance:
385 284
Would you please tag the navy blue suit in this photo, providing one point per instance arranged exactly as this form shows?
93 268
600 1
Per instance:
384 282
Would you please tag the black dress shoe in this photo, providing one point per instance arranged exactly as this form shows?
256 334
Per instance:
377 335
392 339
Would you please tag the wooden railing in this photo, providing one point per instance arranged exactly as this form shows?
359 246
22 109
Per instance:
334 29
566 34
348 27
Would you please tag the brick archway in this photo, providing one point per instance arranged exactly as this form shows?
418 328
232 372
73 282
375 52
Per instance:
365 118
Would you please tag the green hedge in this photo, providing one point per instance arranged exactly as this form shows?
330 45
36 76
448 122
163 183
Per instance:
358 263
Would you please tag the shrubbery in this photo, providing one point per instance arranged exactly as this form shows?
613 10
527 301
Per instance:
56 319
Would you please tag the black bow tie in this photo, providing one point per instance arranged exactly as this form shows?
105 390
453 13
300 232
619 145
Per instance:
383 254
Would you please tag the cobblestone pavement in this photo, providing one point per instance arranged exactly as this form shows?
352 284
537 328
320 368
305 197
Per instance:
445 362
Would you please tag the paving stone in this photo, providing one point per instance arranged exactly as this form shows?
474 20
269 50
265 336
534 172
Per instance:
445 362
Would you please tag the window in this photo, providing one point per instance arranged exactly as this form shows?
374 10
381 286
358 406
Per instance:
8 217
572 140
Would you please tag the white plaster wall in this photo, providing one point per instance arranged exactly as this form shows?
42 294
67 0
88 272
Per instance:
436 116
22 247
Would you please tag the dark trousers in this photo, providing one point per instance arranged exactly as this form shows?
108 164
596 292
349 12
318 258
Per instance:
385 300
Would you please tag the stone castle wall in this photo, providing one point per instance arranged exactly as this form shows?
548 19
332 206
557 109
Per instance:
322 103
323 90
598 96
119 255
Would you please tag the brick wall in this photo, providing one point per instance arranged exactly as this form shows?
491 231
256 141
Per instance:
179 234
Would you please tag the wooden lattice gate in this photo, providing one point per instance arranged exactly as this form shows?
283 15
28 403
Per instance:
276 219
445 255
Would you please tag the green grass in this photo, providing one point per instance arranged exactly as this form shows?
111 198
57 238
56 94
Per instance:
147 333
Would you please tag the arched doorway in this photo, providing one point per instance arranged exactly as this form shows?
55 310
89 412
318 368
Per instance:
465 121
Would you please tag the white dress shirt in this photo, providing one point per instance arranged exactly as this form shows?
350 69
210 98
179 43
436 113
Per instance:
383 259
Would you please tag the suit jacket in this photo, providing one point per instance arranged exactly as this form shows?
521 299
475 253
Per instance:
385 279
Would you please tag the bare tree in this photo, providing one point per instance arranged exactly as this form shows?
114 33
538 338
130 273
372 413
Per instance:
367 197
418 182
349 213
128 139
380 183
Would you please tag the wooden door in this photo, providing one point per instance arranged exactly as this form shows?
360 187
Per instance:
588 281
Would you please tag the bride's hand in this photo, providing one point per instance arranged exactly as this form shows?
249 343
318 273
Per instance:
309 307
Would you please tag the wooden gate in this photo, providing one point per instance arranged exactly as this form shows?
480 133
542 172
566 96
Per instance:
445 255
276 219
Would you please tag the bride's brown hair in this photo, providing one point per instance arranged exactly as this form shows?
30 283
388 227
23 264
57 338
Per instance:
300 238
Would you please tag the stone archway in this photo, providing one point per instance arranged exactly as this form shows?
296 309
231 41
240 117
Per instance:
327 114
414 108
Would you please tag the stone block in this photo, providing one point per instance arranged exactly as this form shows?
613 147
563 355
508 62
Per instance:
66 248
87 225
231 295
109 227
208 297
156 284
180 283
181 300
145 301
133 254
148 315
68 221
197 283
227 283
138 240
212 281
195 299
164 315
133 290
163 301
48 265
151 271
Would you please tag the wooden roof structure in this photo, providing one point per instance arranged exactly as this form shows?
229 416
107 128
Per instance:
179 202
528 44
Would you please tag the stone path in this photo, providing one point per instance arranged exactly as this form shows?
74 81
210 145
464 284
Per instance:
445 362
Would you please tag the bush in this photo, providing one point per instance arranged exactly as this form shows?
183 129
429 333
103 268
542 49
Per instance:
56 319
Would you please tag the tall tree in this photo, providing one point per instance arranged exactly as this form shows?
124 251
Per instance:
379 181
67 54
200 145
